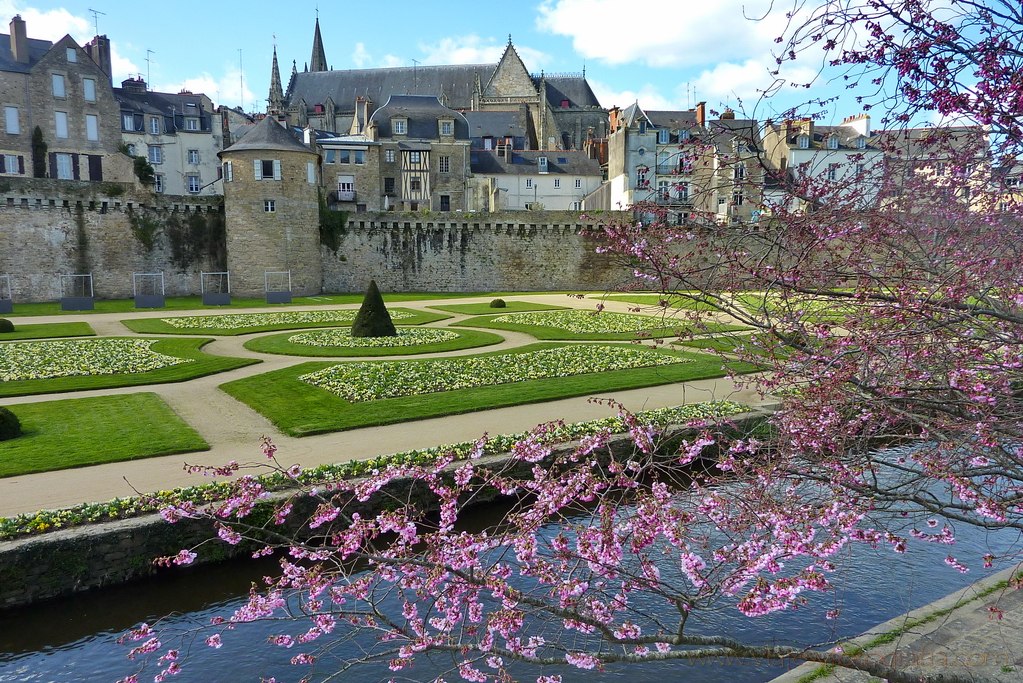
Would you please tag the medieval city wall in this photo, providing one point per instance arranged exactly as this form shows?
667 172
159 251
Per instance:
112 230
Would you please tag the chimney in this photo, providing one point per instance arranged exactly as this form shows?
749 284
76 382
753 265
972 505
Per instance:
134 85
701 114
19 40
99 49
860 123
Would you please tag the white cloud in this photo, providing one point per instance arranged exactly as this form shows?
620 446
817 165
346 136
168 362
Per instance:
648 96
473 49
363 59
665 33
360 57
223 89
49 24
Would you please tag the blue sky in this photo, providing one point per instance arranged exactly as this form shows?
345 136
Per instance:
667 56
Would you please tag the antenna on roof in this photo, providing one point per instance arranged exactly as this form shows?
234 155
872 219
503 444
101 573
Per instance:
148 52
415 76
241 80
95 18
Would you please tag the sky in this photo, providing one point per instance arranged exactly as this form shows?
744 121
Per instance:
669 55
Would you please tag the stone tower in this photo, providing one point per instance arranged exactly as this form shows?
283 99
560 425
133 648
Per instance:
271 206
275 101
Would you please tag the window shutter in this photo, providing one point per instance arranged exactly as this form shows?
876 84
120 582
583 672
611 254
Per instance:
53 164
3 160
277 169
230 171
21 165
95 167
257 169
310 172
75 173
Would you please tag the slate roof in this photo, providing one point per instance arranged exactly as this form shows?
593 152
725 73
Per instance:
36 49
525 163
268 135
169 105
422 112
920 143
453 84
685 118
498 124
575 89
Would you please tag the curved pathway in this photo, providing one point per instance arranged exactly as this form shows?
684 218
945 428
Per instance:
233 430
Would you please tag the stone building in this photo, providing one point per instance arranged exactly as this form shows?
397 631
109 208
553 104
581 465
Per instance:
509 179
271 200
179 133
61 89
562 110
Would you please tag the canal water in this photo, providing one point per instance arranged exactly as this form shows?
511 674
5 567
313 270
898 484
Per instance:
74 640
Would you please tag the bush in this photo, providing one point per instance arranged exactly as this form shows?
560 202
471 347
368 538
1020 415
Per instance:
6 325
498 303
373 320
10 427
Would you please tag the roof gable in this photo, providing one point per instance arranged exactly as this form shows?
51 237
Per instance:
510 78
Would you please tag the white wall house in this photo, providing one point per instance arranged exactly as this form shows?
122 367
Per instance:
555 180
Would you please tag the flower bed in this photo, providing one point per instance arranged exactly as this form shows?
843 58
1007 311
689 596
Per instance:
120 508
236 321
371 381
344 338
80 357
584 322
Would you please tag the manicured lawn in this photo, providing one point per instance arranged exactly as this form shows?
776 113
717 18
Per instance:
48 330
655 301
281 344
91 431
484 308
592 326
200 364
232 324
300 409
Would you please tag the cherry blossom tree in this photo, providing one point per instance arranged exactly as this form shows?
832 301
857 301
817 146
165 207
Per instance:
884 316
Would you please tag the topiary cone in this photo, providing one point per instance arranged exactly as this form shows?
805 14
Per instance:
373 319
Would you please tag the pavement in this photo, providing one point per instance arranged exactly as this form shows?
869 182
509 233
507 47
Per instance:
977 638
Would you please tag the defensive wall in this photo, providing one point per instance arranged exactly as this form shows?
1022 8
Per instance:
113 230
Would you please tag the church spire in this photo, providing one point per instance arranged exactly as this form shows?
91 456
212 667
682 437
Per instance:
318 62
275 102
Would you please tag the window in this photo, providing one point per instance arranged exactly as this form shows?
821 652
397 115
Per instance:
683 135
155 154
11 122
65 170
58 85
541 163
861 143
447 127
683 191
415 157
389 186
269 205
577 206
803 141
158 182
940 168
415 184
72 55
578 183
859 169
91 127
737 198
193 156
399 126
738 172
346 185
389 155
529 182
191 123
641 179
154 125
358 156
310 172
662 136
832 173
127 122
833 142
60 122
193 183
344 156
557 183
12 164
266 169
444 164
445 202
89 89
228 171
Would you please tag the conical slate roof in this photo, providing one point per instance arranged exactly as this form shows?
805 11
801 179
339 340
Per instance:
268 134
318 62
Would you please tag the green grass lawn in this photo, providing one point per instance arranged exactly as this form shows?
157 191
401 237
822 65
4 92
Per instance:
484 308
91 431
654 301
659 328
301 409
48 330
203 364
158 326
279 344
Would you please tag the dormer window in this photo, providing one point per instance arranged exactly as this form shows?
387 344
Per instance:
683 135
861 143
399 126
662 136
833 142
447 127
541 163
803 142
